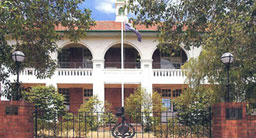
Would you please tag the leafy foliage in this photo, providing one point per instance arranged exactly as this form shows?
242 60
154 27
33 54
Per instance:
29 26
215 25
95 114
141 101
47 100
194 109
92 105
193 106
91 116
141 106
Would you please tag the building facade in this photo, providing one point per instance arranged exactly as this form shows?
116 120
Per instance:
92 66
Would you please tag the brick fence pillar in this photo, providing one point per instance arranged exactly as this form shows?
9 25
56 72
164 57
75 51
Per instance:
16 119
233 125
251 123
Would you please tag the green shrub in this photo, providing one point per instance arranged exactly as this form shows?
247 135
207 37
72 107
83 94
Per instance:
48 101
140 107
95 114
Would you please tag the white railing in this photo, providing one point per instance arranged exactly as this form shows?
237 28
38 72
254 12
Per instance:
168 73
60 72
28 72
88 72
74 72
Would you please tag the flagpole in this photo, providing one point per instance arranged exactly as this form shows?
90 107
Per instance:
122 60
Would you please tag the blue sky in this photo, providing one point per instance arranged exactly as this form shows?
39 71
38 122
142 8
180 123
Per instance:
102 10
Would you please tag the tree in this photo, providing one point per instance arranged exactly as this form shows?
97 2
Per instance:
94 114
141 101
48 101
29 26
217 26
142 107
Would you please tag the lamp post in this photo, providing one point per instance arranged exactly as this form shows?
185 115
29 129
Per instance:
18 57
227 59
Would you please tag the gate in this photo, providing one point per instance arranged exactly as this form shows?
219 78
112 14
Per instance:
108 125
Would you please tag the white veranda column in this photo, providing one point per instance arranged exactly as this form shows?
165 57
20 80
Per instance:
146 83
98 79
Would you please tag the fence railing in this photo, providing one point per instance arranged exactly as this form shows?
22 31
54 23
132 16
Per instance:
101 124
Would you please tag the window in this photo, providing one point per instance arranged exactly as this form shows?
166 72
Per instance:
166 92
87 58
166 103
172 53
176 92
64 55
65 93
75 57
87 94
64 58
173 58
165 55
87 53
176 52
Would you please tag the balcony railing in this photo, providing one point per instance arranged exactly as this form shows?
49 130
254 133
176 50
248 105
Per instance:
170 65
74 72
168 73
60 72
75 64
28 72
28 75
130 65
88 72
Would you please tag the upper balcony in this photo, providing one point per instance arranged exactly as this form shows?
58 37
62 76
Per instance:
78 56
75 65
75 56
113 57
172 59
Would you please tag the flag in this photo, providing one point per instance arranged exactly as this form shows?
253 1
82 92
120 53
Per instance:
130 28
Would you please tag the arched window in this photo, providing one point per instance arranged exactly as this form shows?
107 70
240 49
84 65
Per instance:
113 57
171 59
75 56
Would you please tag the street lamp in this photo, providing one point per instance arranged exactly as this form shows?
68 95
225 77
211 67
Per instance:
227 59
18 57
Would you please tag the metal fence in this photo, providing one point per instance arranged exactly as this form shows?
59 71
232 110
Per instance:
108 125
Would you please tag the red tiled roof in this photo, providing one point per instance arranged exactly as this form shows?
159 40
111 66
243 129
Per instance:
111 26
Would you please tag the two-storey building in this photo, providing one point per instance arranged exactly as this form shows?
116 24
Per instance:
92 66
